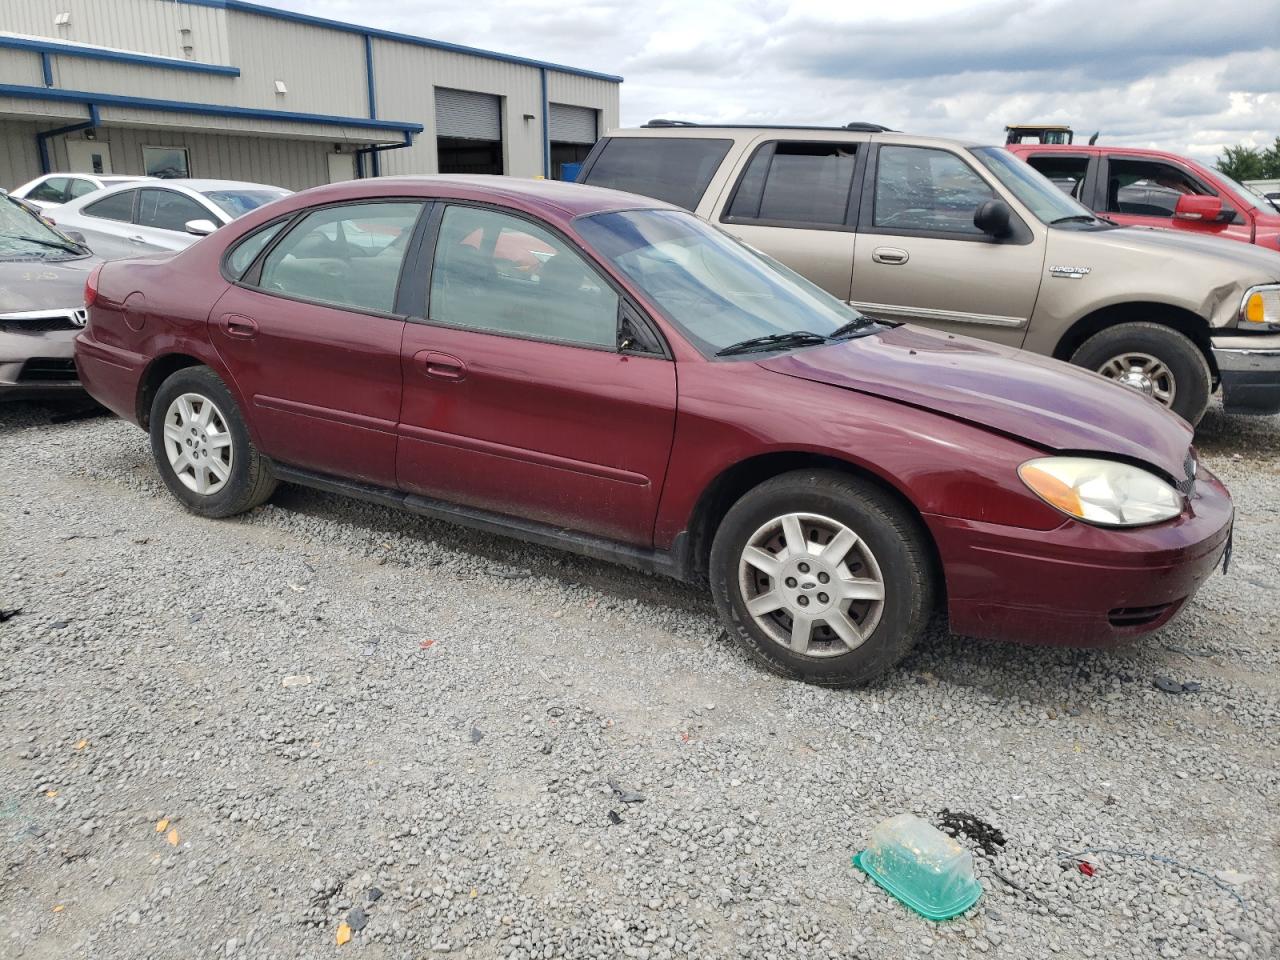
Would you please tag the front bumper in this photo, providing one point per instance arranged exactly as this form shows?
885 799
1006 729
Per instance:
1249 367
1080 585
38 364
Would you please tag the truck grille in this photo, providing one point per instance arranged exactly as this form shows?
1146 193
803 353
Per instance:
48 370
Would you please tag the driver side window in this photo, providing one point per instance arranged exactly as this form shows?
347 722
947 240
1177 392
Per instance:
501 274
923 189
347 256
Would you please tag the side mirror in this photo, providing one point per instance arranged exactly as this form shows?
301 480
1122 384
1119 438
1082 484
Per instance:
201 228
77 236
994 217
1194 207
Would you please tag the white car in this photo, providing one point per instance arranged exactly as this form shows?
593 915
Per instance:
134 218
55 189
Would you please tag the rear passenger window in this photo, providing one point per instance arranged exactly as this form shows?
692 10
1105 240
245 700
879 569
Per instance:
117 206
796 183
923 189
674 169
53 190
347 256
1066 173
247 250
501 274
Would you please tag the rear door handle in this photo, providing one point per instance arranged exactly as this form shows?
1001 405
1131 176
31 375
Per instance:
890 255
440 366
242 328
137 238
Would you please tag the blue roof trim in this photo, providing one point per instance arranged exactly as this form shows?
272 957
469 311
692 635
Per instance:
275 12
116 56
205 109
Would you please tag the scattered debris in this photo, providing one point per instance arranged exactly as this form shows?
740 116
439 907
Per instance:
625 794
555 712
373 895
1157 858
9 614
162 825
614 818
356 919
172 836
426 644
988 838
1086 868
58 908
1168 685
195 618
81 744
684 737
343 934
476 734
296 680
920 866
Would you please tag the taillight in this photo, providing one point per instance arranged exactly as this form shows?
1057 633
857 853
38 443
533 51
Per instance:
91 286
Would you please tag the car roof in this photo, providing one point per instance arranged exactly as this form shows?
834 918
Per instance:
201 185
554 200
784 132
1101 148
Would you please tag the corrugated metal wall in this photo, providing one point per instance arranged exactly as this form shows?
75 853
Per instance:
19 159
294 164
144 26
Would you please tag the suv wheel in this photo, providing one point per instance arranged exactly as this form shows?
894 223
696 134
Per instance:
822 577
202 446
1155 360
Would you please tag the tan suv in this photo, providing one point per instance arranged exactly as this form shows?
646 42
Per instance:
969 239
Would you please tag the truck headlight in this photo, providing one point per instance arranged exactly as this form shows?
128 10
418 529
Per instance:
1104 492
1260 308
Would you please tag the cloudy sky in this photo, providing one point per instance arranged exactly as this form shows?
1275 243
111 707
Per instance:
1186 75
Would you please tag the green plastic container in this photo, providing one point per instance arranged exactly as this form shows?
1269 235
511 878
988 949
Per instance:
921 866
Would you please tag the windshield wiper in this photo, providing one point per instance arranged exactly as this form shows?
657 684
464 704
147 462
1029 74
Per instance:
859 327
795 338
70 246
1074 218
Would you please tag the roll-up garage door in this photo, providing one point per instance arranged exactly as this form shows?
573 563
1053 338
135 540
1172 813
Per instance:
572 124
467 115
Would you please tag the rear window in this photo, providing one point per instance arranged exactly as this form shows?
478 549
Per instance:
674 169
116 206
796 183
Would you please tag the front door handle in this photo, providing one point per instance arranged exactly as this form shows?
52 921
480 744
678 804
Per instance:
241 328
440 366
137 238
891 255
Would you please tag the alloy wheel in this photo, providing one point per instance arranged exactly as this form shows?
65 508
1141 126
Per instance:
811 584
198 443
1144 373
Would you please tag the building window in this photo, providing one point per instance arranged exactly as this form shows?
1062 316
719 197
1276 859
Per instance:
166 162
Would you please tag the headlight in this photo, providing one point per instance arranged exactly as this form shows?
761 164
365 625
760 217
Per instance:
1104 492
1260 308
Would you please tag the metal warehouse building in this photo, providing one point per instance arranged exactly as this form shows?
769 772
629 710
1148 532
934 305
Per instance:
236 90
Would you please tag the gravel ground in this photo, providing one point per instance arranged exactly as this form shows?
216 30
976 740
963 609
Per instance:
347 715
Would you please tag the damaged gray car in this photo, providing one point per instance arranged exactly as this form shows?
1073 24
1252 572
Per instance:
42 277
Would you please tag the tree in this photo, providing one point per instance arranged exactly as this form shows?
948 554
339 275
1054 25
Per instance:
1271 162
1244 163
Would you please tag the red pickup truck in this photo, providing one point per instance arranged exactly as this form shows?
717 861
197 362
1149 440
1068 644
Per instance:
1150 188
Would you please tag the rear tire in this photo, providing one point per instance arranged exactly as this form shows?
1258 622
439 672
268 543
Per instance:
202 447
822 577
1157 360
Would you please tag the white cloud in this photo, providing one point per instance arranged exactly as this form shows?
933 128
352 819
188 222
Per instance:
1181 75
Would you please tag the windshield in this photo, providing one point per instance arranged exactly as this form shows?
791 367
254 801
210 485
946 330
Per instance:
718 291
1034 191
239 202
23 234
1248 196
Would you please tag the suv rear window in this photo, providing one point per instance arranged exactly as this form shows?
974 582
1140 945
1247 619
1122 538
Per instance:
674 169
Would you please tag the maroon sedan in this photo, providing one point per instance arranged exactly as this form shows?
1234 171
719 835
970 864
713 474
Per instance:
611 375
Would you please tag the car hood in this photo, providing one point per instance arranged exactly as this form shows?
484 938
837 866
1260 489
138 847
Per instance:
1044 402
1259 264
43 284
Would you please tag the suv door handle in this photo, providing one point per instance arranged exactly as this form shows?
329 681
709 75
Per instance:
440 366
892 255
241 328
137 238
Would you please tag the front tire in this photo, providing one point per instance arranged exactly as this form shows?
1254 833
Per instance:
822 577
1154 359
202 447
